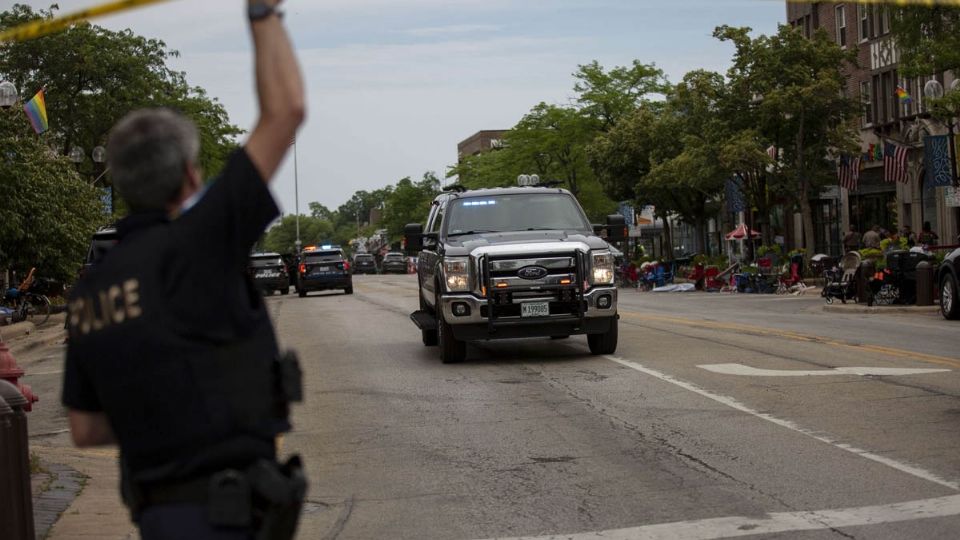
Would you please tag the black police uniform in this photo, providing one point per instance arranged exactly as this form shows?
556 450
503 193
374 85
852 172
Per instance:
170 339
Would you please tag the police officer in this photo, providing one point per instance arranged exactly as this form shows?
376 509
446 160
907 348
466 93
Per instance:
172 355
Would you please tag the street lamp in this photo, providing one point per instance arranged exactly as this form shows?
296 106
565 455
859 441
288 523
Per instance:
8 95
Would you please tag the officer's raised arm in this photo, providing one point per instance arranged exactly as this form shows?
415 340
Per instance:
279 88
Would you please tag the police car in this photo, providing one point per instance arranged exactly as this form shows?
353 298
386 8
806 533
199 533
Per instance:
269 272
323 268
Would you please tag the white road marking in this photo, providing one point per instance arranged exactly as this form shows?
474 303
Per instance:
777 522
907 468
748 371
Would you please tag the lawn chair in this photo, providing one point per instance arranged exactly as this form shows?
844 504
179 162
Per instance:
712 281
662 276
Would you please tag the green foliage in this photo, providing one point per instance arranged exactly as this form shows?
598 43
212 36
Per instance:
94 76
409 202
281 238
49 210
796 101
609 96
928 38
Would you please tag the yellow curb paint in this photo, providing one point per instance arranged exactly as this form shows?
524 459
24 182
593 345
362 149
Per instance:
786 334
35 29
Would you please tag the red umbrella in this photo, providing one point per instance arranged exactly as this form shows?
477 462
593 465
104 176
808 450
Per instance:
741 232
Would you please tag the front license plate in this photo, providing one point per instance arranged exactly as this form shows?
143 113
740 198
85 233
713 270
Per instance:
535 309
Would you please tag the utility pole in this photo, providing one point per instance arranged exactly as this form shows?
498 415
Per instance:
296 192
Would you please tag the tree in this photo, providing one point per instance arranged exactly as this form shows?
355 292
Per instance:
94 76
409 202
796 86
609 96
928 38
282 236
50 212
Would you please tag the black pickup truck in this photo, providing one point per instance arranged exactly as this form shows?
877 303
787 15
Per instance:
512 263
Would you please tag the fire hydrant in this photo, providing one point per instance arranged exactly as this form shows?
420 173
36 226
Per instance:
11 372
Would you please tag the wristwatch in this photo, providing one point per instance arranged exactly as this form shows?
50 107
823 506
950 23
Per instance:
257 11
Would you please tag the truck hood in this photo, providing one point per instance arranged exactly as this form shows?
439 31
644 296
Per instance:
548 240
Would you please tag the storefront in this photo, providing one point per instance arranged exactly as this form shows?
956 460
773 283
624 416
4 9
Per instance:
874 202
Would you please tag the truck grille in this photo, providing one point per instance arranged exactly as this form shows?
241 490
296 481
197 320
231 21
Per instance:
507 281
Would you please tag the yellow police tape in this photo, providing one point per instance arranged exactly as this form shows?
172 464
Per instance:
35 29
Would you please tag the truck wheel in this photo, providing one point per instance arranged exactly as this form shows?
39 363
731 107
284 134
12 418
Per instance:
452 350
605 343
429 337
949 297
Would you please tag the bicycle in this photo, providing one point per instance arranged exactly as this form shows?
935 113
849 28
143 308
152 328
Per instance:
25 305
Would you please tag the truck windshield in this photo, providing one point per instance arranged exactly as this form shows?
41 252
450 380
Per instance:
520 212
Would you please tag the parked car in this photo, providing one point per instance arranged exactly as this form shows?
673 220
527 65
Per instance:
948 276
269 272
394 262
324 269
364 263
101 242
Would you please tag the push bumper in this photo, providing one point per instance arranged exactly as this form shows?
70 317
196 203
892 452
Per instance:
475 326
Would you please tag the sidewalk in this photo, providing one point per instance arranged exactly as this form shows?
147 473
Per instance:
75 492
82 499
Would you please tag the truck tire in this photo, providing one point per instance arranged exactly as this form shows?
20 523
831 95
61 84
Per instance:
429 337
949 297
452 350
605 343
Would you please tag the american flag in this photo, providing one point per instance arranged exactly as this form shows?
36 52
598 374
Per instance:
894 163
848 172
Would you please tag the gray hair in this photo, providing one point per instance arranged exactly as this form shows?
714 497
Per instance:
148 153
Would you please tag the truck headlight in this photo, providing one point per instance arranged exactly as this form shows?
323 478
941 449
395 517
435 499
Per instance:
456 270
601 270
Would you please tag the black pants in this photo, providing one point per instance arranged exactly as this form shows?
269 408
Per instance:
182 521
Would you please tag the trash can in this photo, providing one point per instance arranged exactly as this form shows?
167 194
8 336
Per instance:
17 514
924 276
867 269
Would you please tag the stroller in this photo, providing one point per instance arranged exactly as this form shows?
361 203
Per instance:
841 281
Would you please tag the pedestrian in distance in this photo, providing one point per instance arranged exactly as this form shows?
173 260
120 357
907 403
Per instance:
871 238
907 233
927 236
851 240
181 372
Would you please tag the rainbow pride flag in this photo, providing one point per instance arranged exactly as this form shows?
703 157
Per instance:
36 110
903 95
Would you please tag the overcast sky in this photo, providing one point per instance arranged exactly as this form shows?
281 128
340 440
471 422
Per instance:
394 85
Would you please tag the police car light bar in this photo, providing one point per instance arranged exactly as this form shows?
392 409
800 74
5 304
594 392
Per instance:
528 180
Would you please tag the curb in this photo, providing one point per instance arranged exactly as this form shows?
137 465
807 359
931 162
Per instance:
860 308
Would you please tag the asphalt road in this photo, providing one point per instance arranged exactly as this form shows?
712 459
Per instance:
665 439
719 416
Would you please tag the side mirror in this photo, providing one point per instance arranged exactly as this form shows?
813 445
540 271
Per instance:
616 228
412 238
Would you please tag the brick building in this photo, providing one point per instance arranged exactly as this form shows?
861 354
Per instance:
884 118
480 142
